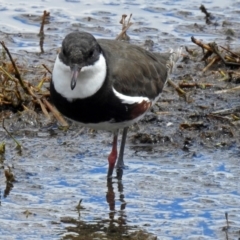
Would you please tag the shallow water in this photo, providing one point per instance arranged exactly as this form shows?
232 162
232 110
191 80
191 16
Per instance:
172 195
165 22
166 192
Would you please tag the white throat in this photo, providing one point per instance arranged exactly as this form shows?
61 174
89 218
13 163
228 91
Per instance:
89 81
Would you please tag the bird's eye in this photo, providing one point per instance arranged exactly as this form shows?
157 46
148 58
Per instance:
64 52
91 53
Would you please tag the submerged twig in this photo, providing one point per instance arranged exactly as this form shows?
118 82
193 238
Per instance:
47 68
41 32
56 114
9 175
199 85
178 89
44 110
227 227
207 54
215 59
10 135
228 90
225 76
2 148
233 54
227 111
208 16
192 125
191 52
45 14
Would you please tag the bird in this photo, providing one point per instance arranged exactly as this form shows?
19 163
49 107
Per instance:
109 85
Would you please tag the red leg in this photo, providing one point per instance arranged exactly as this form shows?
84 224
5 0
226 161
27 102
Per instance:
113 155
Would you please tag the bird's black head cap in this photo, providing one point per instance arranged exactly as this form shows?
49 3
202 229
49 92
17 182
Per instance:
79 48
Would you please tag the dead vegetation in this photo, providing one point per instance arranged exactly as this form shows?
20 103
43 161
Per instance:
224 63
18 93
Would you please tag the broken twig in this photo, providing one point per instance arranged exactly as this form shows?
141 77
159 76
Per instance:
17 74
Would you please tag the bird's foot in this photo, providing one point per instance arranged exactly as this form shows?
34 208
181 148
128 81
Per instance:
109 179
119 171
122 166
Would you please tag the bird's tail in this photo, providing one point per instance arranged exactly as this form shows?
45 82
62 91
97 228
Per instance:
175 56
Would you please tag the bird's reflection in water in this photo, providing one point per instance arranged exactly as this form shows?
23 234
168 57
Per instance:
114 227
111 200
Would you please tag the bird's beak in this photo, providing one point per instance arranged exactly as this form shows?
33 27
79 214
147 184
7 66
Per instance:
76 69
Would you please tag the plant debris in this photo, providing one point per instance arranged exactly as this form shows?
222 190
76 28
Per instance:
126 24
17 143
208 16
16 92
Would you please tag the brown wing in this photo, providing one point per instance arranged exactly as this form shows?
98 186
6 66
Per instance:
135 71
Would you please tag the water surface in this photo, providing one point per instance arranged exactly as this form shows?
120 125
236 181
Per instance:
166 191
